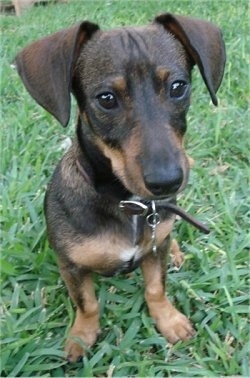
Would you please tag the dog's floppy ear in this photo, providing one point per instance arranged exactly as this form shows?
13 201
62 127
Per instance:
203 42
46 68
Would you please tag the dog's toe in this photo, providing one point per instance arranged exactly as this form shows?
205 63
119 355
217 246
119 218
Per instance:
183 330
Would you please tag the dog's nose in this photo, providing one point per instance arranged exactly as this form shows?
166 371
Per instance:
163 184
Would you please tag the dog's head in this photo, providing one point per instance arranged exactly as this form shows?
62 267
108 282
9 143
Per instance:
132 86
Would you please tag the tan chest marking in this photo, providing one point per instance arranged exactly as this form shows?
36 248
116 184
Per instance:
107 251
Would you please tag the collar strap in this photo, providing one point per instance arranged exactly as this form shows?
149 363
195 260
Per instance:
141 209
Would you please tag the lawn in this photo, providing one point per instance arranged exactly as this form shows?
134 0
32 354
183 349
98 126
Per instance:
211 287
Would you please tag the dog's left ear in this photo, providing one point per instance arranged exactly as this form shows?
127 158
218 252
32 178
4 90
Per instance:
203 42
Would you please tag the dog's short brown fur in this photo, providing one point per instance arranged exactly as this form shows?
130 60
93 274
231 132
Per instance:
132 86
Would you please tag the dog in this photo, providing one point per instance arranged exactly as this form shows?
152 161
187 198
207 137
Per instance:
110 206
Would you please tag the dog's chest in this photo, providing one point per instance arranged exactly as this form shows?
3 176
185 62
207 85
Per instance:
143 240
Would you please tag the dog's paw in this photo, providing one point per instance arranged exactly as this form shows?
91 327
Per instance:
177 327
177 256
77 344
171 323
74 349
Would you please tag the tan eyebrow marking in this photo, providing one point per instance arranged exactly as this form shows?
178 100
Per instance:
162 73
119 83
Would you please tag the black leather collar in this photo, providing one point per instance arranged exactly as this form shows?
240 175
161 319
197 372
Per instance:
144 208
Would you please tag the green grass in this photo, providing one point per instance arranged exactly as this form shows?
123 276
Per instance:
211 287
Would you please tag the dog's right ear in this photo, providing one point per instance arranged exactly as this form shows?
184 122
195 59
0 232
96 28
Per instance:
46 67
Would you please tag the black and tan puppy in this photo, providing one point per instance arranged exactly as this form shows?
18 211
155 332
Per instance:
132 87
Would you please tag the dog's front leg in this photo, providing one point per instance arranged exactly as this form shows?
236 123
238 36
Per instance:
172 324
85 329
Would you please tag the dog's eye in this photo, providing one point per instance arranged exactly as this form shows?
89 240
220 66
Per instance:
107 100
178 89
